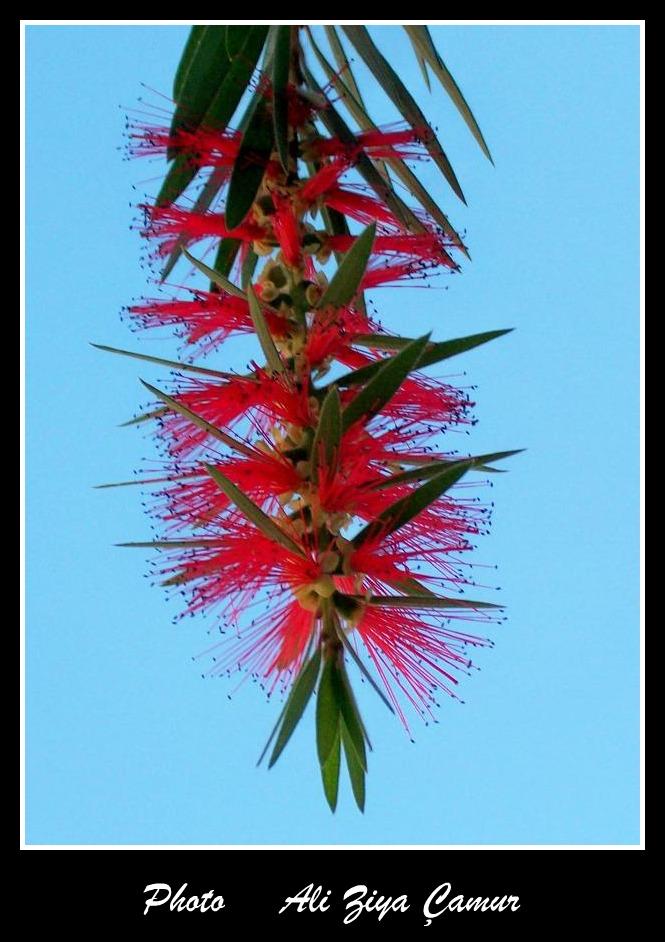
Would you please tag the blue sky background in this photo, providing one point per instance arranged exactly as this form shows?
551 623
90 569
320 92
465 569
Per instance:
126 744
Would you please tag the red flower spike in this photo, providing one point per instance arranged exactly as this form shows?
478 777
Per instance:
257 524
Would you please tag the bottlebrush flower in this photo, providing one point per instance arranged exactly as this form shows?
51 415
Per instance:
311 506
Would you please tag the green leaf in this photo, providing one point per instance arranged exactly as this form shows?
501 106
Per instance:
248 269
223 106
402 170
296 704
422 65
250 163
145 417
421 602
487 469
191 46
325 447
330 774
200 422
270 351
280 78
217 277
253 513
143 482
410 586
350 717
399 167
218 115
422 42
409 507
346 280
178 177
384 383
236 37
433 353
343 64
227 251
403 100
430 470
356 771
176 364
327 711
207 66
336 126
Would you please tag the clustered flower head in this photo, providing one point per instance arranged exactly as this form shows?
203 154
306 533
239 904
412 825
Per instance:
309 504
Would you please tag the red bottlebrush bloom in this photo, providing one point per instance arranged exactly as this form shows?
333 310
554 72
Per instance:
168 225
286 230
399 143
194 499
416 655
202 148
204 315
263 398
359 206
423 249
332 332
322 521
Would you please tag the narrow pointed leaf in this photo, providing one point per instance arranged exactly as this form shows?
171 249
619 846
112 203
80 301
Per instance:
422 65
422 41
409 507
253 513
410 586
179 175
176 364
200 422
488 470
330 773
430 470
296 704
335 224
207 67
404 173
228 96
227 250
191 46
343 64
433 352
220 109
350 717
144 482
270 351
345 282
356 771
325 446
398 166
327 712
250 163
422 602
402 99
280 78
248 269
215 276
336 125
144 417
384 383
235 39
